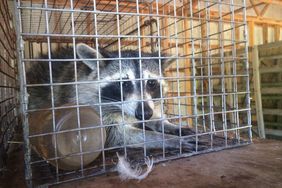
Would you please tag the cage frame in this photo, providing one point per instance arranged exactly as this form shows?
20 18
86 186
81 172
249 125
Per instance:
23 88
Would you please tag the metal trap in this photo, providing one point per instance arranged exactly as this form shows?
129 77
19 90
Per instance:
203 94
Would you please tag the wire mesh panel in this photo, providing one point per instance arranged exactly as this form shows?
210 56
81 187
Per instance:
141 78
9 102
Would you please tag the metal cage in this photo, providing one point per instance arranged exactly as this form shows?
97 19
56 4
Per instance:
208 82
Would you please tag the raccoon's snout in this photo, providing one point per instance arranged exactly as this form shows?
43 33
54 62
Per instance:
148 112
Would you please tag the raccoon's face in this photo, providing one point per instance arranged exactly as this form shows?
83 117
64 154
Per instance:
132 86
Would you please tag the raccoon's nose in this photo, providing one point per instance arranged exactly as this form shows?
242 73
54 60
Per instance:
148 112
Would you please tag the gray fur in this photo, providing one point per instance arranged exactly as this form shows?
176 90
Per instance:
127 131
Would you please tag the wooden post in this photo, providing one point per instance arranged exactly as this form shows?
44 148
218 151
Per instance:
257 89
251 27
265 33
276 33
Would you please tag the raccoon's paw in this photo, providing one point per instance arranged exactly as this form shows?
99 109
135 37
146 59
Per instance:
192 144
187 132
187 144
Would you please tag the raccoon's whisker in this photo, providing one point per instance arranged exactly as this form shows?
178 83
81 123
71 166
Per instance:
112 105
106 108
112 108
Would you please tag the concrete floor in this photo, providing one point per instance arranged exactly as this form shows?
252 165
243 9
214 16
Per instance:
256 165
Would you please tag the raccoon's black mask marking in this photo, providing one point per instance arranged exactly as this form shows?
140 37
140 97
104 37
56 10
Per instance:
153 88
112 92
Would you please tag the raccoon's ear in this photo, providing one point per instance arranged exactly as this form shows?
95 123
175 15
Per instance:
86 52
167 62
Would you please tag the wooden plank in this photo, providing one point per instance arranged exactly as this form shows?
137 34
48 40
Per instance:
272 84
271 57
276 125
273 90
257 91
270 45
271 97
271 70
276 133
277 112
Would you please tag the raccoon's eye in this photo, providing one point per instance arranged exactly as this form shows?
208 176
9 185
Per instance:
127 85
152 84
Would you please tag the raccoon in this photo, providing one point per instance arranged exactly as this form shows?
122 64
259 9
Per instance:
128 92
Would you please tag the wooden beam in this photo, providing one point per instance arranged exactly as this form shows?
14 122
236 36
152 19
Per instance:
257 91
82 3
129 7
254 7
274 2
42 39
239 18
264 10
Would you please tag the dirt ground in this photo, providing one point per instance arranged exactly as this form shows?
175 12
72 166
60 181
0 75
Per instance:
256 165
